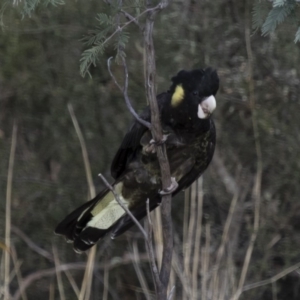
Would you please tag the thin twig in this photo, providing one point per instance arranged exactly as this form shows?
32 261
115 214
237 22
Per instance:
110 265
158 235
131 18
179 271
31 244
272 279
205 263
105 284
58 275
190 237
8 211
148 214
198 235
27 281
223 244
151 253
172 282
139 272
124 90
229 182
17 270
86 161
73 283
120 28
109 186
170 296
87 281
52 291
185 244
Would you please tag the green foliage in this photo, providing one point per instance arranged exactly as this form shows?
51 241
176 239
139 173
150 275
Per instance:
105 19
120 45
297 37
2 10
277 3
90 56
276 16
100 39
260 11
97 41
137 5
30 5
267 19
109 31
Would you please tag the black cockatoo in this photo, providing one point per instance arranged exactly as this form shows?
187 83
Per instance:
190 137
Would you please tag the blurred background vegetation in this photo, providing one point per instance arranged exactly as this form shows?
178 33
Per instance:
255 171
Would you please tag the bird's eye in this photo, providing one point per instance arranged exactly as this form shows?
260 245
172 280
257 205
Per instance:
195 93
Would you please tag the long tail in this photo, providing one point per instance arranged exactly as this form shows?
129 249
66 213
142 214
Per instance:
94 219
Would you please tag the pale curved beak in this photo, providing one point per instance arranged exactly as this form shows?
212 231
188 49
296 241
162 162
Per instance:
206 107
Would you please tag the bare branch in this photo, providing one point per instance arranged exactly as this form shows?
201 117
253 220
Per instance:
161 279
124 90
131 18
161 149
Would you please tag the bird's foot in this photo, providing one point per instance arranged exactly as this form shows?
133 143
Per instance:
151 147
172 188
159 143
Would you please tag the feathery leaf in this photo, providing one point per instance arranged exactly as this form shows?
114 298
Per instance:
276 16
297 36
89 57
259 13
277 3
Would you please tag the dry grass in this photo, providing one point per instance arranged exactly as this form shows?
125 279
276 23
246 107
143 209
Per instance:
16 269
58 275
86 286
139 272
203 273
8 212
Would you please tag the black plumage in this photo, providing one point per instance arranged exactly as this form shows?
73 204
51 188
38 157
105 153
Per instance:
185 113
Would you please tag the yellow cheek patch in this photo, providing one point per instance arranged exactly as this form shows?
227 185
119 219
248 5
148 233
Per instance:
177 96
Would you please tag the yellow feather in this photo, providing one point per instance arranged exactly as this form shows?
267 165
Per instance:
108 211
177 96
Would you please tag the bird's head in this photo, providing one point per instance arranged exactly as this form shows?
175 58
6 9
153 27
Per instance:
193 94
